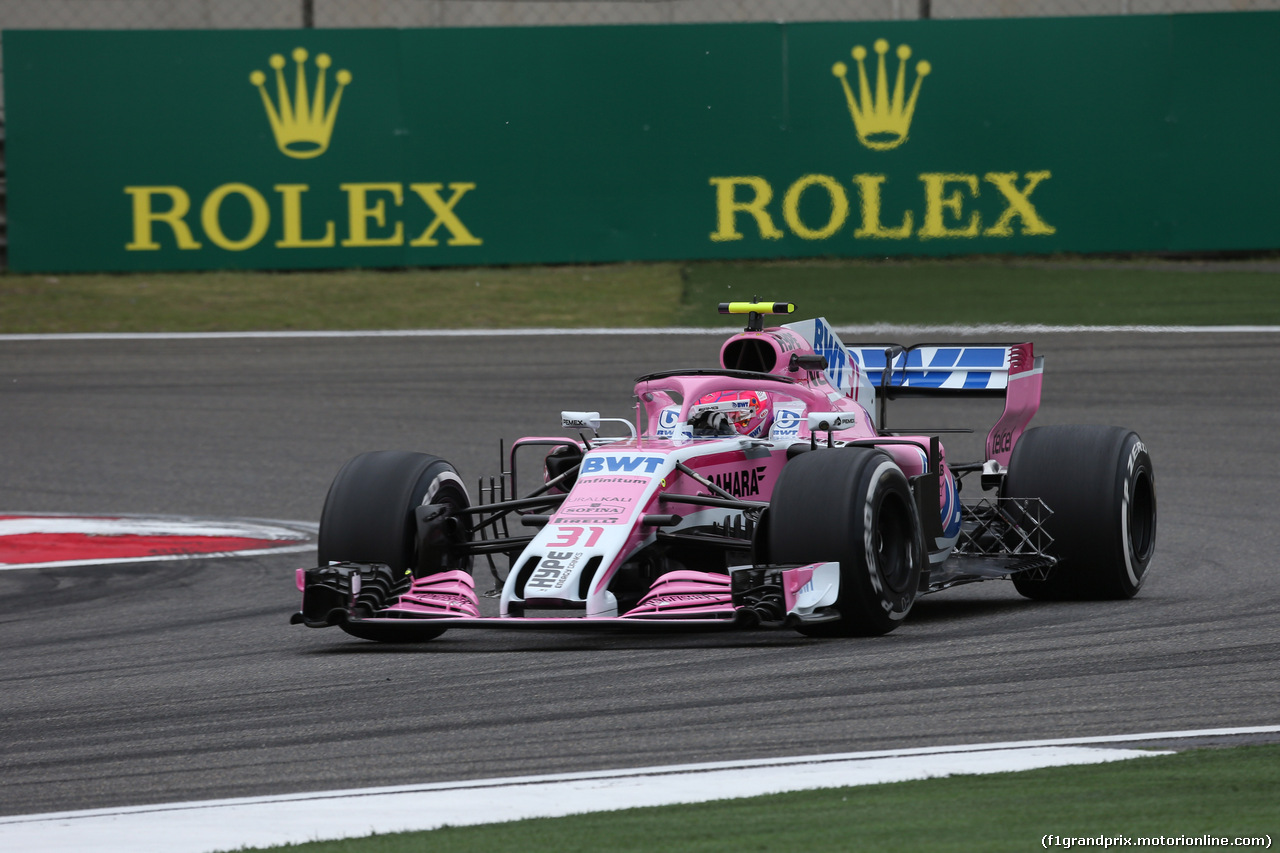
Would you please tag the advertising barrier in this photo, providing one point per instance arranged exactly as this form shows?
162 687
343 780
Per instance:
288 149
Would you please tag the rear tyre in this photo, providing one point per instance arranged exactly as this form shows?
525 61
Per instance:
1100 485
854 506
368 517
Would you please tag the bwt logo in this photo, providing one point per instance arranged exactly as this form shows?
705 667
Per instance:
826 344
668 419
786 420
612 464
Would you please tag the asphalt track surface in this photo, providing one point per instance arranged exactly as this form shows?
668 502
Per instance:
164 682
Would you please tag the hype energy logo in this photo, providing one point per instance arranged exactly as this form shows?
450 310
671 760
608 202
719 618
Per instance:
882 202
305 119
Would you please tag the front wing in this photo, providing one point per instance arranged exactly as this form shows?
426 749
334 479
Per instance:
370 594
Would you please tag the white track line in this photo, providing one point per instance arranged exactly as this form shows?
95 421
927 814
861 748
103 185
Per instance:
201 827
872 329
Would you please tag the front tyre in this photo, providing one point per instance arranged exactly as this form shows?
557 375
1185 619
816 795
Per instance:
368 517
1100 485
854 506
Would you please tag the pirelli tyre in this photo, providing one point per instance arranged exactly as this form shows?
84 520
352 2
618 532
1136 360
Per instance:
1100 485
369 516
851 505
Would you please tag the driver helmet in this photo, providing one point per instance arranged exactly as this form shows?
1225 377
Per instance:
752 419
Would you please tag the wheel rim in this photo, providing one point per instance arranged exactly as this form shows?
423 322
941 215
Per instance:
1142 518
891 543
451 494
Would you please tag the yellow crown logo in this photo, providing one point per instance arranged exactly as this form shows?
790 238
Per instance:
302 124
881 123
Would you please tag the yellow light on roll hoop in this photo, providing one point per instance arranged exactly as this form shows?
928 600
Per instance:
756 307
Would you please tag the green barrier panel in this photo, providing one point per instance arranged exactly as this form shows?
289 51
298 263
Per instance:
344 148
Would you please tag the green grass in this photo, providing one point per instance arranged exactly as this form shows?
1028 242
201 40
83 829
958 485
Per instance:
1220 792
614 295
640 295
979 292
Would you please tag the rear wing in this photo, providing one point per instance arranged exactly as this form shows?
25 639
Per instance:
1012 371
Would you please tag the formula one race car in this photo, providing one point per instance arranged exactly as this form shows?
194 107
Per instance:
767 492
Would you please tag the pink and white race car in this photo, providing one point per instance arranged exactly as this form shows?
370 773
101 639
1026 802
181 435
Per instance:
765 493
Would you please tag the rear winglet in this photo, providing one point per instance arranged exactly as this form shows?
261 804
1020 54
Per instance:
985 370
928 369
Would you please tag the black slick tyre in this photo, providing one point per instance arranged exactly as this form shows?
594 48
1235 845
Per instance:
368 517
1100 485
854 506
